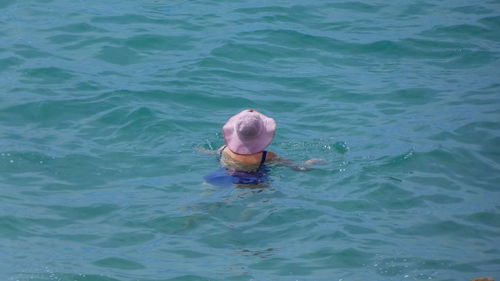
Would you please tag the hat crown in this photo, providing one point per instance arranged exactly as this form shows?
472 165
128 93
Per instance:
249 127
248 132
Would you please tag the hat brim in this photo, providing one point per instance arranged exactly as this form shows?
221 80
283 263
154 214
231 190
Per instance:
258 144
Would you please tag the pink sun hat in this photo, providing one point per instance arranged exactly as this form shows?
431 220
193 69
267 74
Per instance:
249 132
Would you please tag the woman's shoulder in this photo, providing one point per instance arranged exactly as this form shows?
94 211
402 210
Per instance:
271 156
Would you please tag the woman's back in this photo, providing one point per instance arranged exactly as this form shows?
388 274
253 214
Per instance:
245 163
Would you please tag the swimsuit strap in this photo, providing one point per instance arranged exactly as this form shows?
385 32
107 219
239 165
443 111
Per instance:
264 154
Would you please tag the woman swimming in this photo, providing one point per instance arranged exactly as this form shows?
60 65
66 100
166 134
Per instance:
243 158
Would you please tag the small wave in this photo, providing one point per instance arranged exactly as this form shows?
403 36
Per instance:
119 263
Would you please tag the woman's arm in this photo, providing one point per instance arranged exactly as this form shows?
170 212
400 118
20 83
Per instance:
210 151
297 166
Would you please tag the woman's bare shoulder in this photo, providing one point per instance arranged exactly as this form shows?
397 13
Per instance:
271 156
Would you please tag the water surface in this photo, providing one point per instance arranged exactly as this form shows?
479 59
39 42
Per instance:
103 106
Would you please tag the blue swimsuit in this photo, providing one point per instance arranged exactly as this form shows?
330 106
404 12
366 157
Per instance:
225 177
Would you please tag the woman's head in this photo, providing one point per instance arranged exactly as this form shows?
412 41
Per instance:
249 132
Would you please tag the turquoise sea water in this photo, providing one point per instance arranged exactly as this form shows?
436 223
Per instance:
103 105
